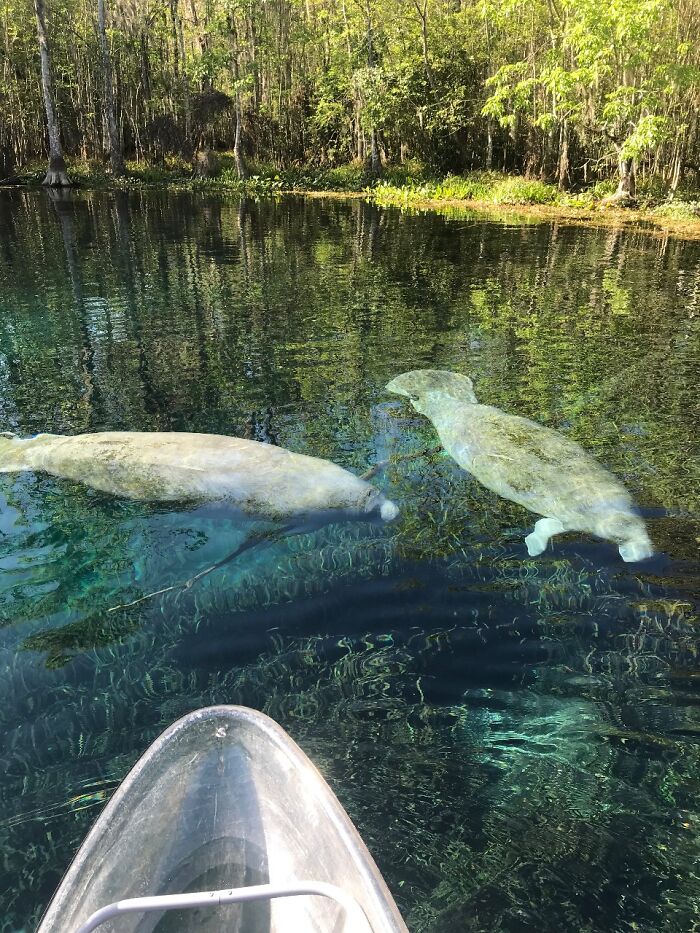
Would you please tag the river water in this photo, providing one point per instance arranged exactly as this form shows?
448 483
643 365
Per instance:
517 739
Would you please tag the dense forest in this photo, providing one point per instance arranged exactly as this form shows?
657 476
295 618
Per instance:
569 91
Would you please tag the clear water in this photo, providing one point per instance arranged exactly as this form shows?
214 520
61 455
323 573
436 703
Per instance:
517 739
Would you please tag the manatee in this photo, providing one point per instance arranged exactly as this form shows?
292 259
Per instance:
260 479
527 463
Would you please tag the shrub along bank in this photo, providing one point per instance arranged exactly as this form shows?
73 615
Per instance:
407 186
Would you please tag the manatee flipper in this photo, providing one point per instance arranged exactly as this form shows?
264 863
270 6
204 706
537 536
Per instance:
538 539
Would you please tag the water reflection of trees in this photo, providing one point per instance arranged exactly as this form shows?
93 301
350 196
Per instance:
201 311
284 319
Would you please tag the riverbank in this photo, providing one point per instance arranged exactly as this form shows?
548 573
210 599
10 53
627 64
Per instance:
410 188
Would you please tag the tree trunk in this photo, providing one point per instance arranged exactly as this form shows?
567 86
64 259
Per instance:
241 167
423 14
626 187
205 163
239 158
676 172
185 88
563 173
357 104
624 195
489 120
489 143
375 161
56 176
116 158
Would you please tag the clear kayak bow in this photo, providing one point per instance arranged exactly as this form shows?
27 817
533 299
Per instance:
223 825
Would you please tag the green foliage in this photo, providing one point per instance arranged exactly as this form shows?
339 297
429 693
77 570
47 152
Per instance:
678 210
607 77
523 191
559 91
491 187
404 185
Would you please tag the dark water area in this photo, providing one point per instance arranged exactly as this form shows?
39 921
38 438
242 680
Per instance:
517 739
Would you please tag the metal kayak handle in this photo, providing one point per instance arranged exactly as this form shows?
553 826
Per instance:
260 892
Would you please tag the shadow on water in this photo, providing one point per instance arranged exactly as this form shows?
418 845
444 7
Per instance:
516 738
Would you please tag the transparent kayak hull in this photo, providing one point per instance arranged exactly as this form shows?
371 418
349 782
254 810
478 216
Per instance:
223 799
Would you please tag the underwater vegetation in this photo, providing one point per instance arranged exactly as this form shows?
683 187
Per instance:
409 757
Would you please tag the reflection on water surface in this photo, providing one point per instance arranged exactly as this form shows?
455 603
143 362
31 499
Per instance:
516 738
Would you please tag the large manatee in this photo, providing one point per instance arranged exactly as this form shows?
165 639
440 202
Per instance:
527 463
258 478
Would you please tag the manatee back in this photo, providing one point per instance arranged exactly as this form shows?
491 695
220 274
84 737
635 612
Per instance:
532 465
129 464
171 466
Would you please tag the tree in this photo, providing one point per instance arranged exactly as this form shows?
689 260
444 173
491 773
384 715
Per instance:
56 175
240 83
116 157
571 91
375 161
605 77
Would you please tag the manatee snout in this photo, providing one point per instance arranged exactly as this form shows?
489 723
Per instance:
388 510
378 502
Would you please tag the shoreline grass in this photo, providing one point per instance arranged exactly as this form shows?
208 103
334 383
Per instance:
410 188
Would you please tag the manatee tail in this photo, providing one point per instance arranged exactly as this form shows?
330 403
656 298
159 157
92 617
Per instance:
13 455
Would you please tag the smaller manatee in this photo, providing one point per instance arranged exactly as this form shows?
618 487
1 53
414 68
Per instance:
527 463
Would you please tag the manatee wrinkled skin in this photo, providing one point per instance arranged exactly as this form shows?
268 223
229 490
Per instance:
261 479
527 463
